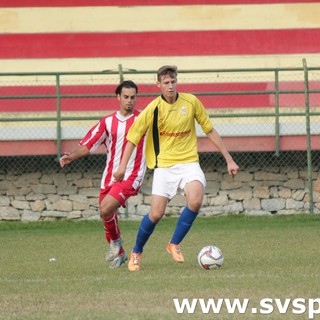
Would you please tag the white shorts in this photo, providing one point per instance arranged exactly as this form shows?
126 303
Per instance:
167 182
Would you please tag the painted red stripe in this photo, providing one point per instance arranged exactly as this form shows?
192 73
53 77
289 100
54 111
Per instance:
101 104
92 3
139 44
105 104
143 88
108 104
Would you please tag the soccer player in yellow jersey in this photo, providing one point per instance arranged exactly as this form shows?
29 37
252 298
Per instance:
171 150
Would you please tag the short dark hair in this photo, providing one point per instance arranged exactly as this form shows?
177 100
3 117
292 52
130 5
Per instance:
171 71
126 84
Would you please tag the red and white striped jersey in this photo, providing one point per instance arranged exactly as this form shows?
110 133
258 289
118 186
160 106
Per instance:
111 131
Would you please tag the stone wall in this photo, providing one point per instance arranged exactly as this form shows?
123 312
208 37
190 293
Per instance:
74 195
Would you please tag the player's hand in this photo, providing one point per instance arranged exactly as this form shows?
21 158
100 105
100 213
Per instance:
119 175
65 159
232 168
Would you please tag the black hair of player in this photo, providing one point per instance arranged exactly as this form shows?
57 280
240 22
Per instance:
126 84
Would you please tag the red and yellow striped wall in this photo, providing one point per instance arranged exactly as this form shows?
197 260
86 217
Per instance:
88 35
95 35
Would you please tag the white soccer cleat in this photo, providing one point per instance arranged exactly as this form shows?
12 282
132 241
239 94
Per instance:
114 249
118 261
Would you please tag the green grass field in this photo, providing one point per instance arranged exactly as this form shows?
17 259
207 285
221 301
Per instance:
265 257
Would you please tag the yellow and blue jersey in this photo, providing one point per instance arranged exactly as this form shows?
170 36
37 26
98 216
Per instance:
171 132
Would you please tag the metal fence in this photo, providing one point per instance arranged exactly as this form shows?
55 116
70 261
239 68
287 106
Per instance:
267 117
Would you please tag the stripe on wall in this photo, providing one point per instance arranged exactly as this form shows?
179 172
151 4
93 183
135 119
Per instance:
266 100
83 45
177 18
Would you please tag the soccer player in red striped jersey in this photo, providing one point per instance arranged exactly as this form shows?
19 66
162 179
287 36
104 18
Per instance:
111 131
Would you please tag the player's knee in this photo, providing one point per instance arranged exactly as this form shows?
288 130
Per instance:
155 217
194 204
104 212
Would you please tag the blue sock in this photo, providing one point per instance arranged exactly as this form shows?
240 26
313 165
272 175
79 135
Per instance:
145 230
184 224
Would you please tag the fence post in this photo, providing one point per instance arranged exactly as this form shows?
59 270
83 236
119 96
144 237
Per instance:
277 124
58 116
308 135
120 72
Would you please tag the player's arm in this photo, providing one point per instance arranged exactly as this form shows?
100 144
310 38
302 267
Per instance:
119 174
76 154
215 138
134 136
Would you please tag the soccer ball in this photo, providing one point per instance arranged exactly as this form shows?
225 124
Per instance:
210 257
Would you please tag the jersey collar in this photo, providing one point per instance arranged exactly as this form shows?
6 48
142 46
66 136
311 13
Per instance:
163 98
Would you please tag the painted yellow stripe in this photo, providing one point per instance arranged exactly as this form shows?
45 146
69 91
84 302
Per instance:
153 63
159 18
